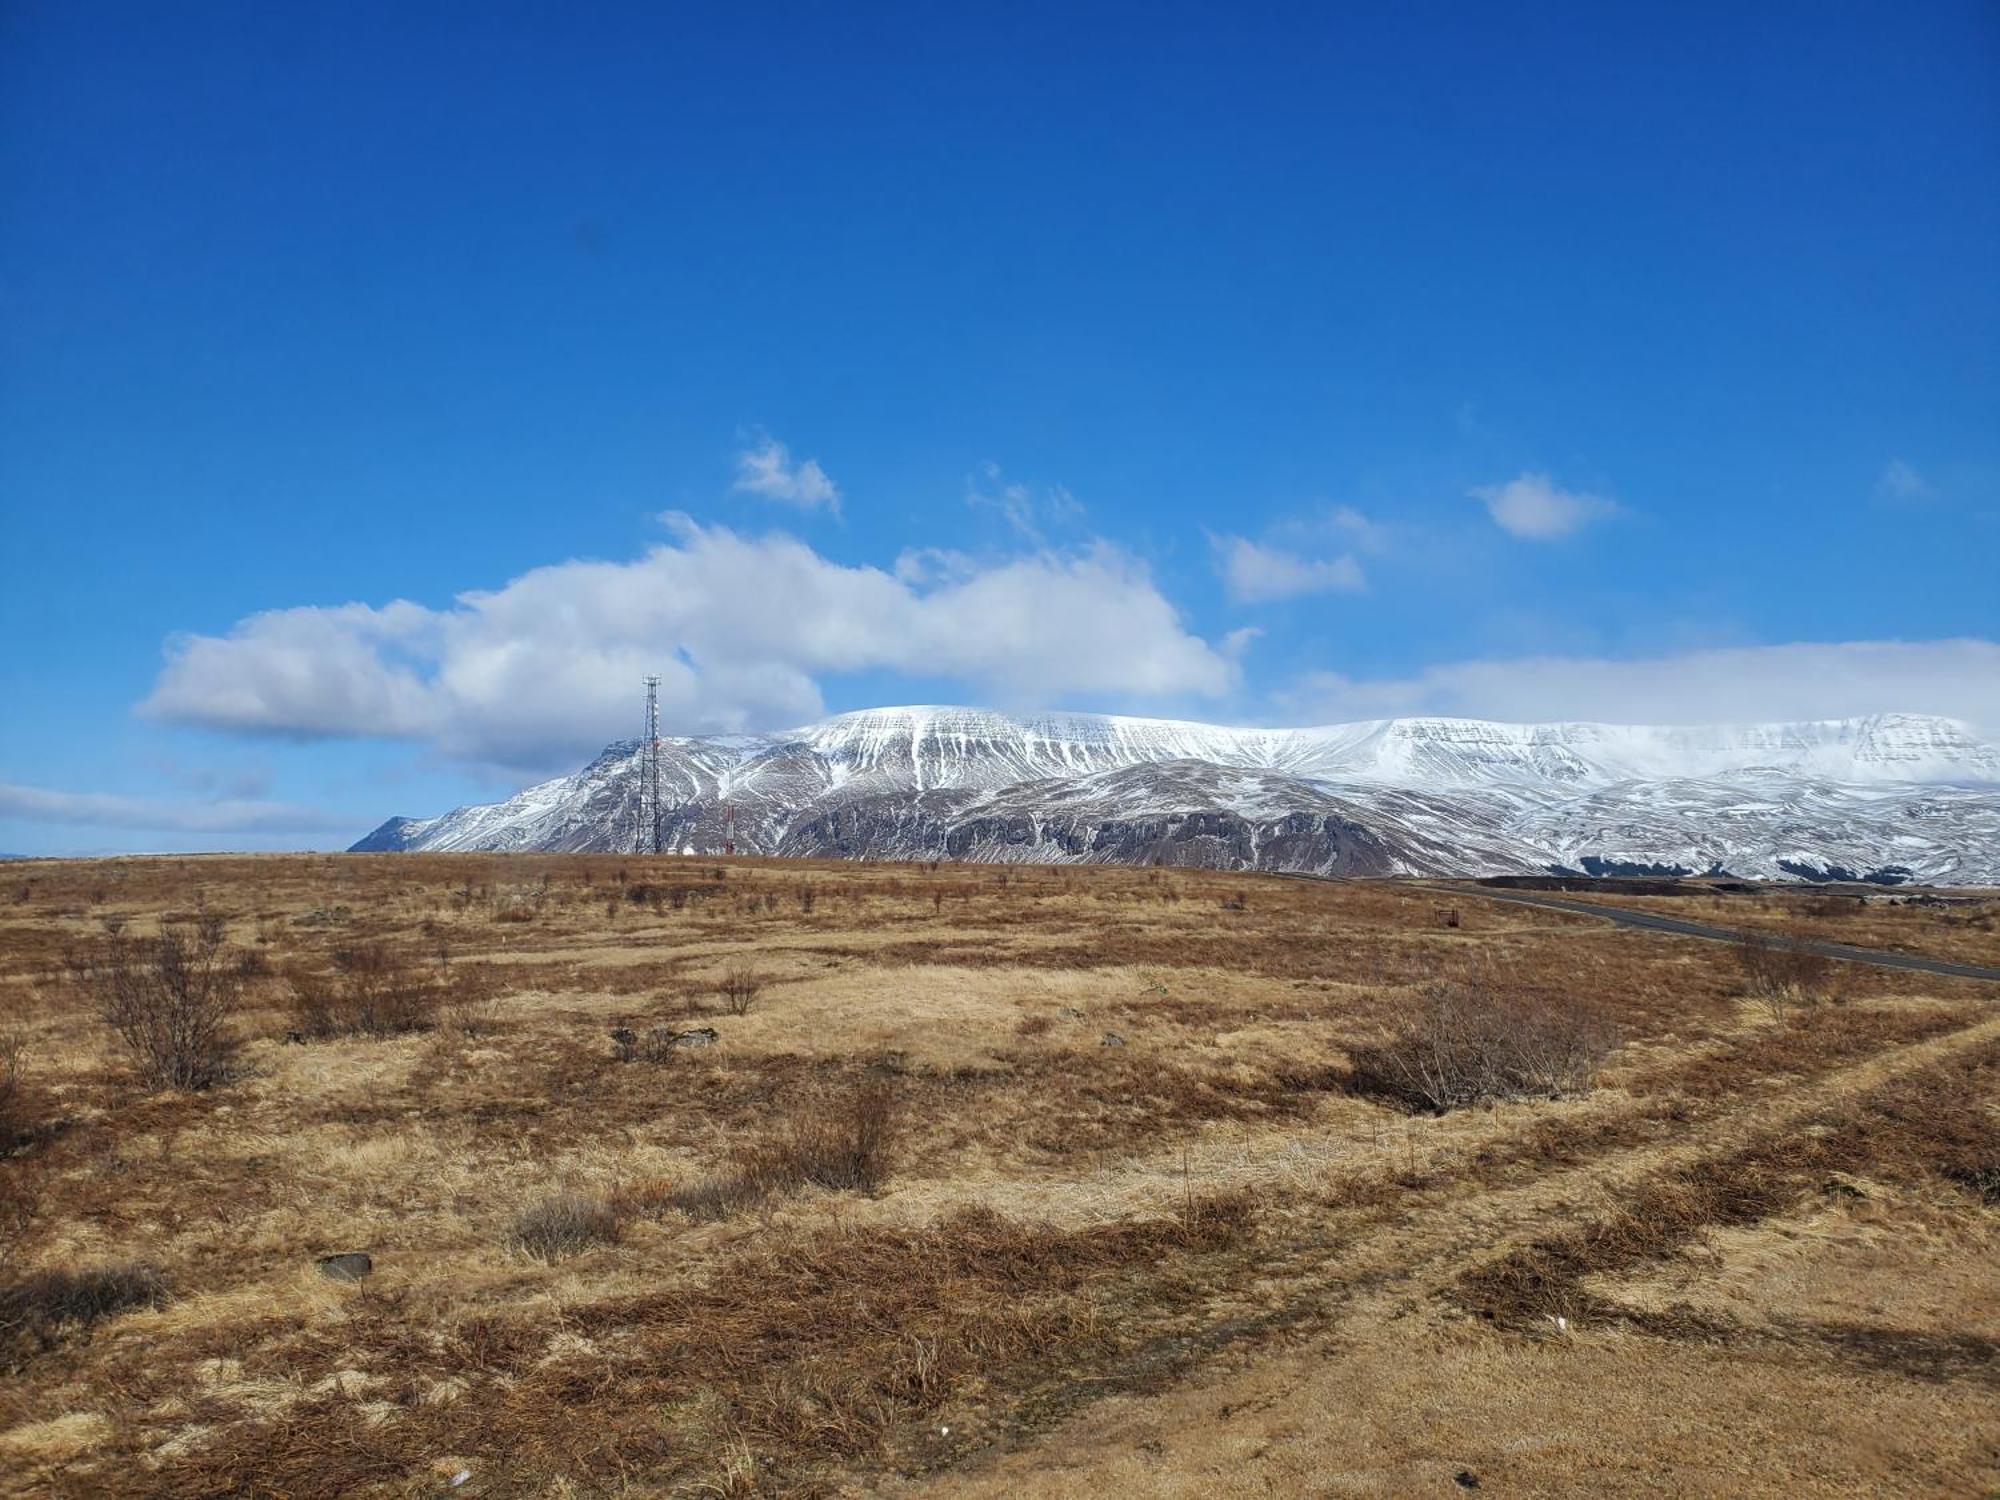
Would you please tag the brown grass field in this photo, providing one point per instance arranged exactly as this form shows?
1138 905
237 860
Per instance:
993 1181
1964 928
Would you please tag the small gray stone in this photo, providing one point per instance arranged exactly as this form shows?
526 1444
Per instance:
1112 1039
351 1265
701 1036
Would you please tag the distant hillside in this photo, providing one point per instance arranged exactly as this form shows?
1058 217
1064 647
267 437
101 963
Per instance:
1887 798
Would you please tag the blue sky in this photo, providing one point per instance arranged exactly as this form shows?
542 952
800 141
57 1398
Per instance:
383 389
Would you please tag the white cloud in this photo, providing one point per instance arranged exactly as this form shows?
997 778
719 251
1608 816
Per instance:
1341 526
740 630
767 470
102 809
1900 483
922 566
1256 574
1738 684
316 672
1534 507
1370 536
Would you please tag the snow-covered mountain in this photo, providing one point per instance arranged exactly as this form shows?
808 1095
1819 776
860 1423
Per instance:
1888 797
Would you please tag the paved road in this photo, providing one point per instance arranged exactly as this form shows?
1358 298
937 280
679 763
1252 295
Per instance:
1657 923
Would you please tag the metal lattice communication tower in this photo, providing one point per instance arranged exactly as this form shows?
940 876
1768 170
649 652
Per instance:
649 812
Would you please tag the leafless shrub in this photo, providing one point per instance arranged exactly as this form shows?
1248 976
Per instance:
832 1140
373 990
23 1181
37 1308
836 1139
1465 1043
1782 971
170 1000
17 1112
739 989
658 1045
564 1224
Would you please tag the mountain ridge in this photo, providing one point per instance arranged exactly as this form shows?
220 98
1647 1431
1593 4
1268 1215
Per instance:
1884 796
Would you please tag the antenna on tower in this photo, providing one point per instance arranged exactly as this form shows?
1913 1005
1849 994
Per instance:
649 812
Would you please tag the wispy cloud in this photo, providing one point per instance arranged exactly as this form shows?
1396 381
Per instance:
1031 511
1256 573
1341 526
1738 684
1369 536
766 469
1535 508
1900 484
105 810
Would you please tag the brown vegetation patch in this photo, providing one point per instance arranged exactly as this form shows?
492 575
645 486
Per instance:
985 1146
827 1351
171 1000
38 1308
1466 1044
1935 1122
374 989
564 1224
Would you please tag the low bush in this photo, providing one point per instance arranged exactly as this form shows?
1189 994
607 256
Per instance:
37 1309
740 988
839 1139
170 1000
21 1120
1464 1044
17 1109
372 989
658 1045
565 1224
834 1140
1781 971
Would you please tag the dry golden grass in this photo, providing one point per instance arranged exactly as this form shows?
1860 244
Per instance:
988 1178
1964 927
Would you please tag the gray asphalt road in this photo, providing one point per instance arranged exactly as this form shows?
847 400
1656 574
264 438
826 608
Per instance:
1657 923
